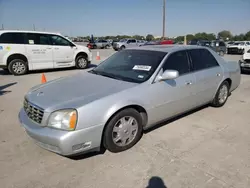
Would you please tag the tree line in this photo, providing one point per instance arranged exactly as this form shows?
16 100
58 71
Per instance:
225 35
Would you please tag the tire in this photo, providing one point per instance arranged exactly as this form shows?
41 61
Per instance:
106 47
81 62
18 67
221 53
217 102
133 131
122 48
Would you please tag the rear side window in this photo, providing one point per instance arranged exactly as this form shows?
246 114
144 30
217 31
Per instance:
202 59
38 39
177 61
12 38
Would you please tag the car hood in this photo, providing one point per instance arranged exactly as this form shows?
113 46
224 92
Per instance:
75 91
233 46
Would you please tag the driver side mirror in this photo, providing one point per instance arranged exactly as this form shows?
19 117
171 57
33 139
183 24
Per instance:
168 75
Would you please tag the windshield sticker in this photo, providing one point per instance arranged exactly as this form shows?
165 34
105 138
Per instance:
31 41
1 47
140 76
142 67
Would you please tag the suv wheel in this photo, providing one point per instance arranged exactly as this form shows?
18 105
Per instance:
122 48
81 62
18 67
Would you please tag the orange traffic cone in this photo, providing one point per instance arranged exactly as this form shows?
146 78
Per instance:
98 56
43 80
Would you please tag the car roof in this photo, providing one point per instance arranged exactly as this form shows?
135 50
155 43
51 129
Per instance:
168 48
23 31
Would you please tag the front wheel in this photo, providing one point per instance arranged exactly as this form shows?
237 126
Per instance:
123 131
222 95
81 62
18 67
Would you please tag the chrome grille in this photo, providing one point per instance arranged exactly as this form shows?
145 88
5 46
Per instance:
33 112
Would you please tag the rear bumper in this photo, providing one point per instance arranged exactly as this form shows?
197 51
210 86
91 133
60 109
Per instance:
66 143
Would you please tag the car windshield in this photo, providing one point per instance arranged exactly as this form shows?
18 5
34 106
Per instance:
130 65
239 43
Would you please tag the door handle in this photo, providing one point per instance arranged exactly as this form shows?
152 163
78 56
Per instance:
188 83
218 74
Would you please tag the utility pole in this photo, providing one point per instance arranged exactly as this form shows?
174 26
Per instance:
164 18
34 28
2 27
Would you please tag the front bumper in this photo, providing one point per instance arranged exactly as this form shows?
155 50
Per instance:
66 143
234 50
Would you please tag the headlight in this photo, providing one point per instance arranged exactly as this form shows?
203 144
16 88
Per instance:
63 119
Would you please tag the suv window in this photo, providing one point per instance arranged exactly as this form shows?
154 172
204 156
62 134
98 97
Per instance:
132 41
177 61
202 59
59 41
222 44
12 38
39 39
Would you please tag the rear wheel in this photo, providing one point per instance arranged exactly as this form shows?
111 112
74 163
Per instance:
18 67
123 131
222 95
81 62
122 48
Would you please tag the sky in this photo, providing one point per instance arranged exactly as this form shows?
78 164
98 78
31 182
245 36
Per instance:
120 17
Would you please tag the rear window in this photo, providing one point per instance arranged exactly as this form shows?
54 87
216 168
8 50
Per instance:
12 38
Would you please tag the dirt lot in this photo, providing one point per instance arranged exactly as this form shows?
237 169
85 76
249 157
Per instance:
207 148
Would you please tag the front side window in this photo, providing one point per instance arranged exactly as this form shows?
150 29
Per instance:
130 65
177 61
12 38
59 41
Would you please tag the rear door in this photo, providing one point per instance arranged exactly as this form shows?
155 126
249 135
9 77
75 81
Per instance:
207 72
39 51
63 51
132 43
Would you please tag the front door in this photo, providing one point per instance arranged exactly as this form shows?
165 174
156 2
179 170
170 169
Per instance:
207 72
39 51
173 97
63 51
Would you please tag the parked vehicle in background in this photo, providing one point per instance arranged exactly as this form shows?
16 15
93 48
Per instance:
193 42
218 46
126 43
245 60
203 42
163 42
22 51
238 47
99 44
230 43
132 91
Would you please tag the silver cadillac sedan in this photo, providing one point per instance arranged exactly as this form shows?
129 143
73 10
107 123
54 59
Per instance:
133 90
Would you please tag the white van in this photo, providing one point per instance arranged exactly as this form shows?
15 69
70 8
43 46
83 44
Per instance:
21 51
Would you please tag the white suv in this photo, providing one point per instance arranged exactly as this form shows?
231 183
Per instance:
21 51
